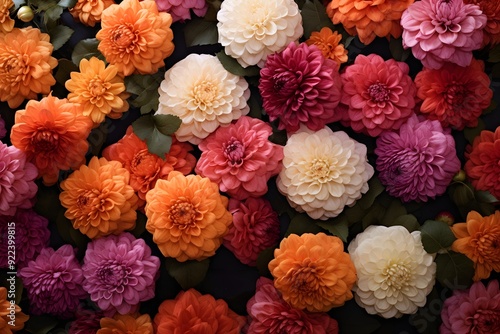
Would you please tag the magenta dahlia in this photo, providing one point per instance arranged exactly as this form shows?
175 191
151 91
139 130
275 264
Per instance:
181 9
439 31
54 282
300 86
240 158
255 227
3 131
377 95
119 272
417 162
476 310
31 236
86 322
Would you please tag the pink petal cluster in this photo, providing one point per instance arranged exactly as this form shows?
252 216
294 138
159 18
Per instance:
180 9
476 310
3 131
17 180
417 162
255 227
31 236
240 158
300 86
86 322
439 31
54 282
269 313
377 95
119 272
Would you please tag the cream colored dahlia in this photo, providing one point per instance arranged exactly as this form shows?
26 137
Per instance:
395 273
323 172
200 91
252 30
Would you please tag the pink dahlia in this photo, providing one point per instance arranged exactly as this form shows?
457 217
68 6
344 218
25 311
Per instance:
377 95
269 313
119 272
3 131
473 311
240 158
418 161
180 9
32 235
300 86
17 180
255 227
54 282
86 322
439 31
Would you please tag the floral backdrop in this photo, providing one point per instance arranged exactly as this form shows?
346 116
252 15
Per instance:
257 166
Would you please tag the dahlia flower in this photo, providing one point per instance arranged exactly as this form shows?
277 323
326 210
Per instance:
54 282
395 273
89 12
368 19
323 172
187 216
377 95
439 31
191 311
6 22
32 235
491 32
474 310
299 85
119 272
313 272
328 42
240 158
28 53
17 180
98 198
99 89
86 322
146 168
181 9
481 163
478 239
135 37
417 162
252 30
21 318
255 227
53 134
269 313
454 95
128 323
3 130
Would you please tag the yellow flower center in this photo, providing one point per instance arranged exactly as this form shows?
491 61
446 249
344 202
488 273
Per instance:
320 169
204 94
183 214
396 275
125 38
97 87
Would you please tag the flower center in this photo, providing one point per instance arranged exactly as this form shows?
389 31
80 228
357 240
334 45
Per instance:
397 276
205 93
97 87
125 38
447 16
145 164
285 83
455 95
183 214
44 141
112 275
234 151
487 245
320 170
378 92
486 321
304 279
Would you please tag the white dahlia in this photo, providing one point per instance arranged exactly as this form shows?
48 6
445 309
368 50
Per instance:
323 172
395 273
200 91
250 30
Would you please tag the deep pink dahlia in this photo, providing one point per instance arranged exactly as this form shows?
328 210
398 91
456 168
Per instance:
3 131
269 313
54 282
119 272
300 86
240 158
417 162
17 180
377 95
31 236
180 9
86 322
473 311
255 227
439 31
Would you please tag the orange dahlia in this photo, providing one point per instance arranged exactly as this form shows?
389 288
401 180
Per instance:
126 324
99 199
99 89
328 42
135 36
187 216
89 12
8 313
479 239
6 22
490 8
369 18
26 65
313 272
53 134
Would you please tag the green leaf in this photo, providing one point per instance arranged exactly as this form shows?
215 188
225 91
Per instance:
64 69
409 221
157 142
314 17
167 124
19 290
60 35
51 14
200 32
374 215
263 260
485 197
232 65
461 194
40 324
86 48
436 236
143 126
97 138
301 224
64 226
454 270
471 133
146 89
338 229
188 274
43 5
255 105
395 210
67 3
397 50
